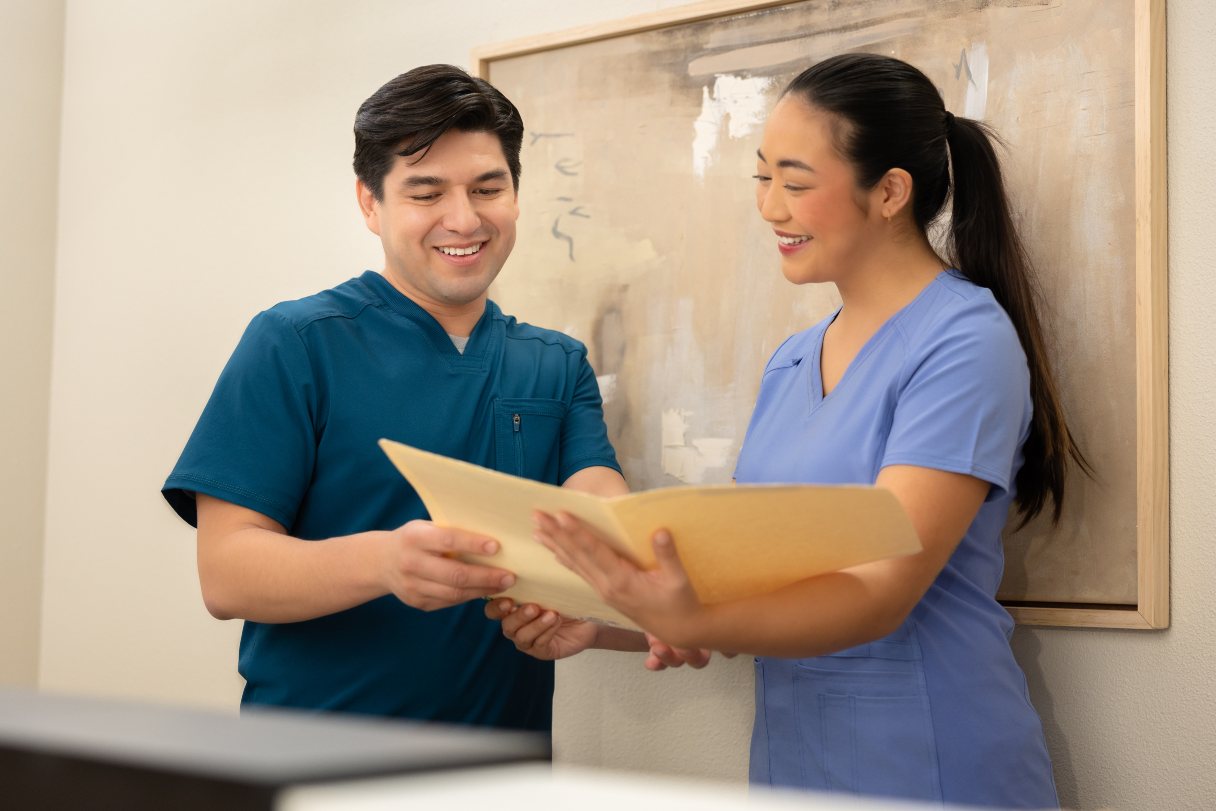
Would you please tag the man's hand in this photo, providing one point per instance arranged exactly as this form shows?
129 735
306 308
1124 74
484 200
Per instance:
663 656
539 633
423 570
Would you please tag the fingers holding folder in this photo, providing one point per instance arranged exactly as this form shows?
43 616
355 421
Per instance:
660 600
652 598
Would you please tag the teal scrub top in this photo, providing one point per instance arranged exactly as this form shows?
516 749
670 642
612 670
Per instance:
290 431
939 710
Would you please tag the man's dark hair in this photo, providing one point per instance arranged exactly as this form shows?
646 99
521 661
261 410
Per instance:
407 115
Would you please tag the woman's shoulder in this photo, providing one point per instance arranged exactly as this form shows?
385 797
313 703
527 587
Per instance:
959 329
958 311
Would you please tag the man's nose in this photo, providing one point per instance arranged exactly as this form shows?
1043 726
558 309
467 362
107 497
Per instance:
460 216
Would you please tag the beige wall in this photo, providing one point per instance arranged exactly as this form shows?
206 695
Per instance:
31 73
205 174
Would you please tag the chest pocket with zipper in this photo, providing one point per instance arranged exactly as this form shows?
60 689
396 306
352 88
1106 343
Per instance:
527 436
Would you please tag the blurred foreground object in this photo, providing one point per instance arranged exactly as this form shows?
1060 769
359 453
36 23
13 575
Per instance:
70 752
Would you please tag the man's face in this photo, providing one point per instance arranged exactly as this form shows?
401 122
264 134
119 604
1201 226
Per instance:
447 221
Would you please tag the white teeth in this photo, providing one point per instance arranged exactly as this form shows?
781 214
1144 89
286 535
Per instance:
792 240
461 251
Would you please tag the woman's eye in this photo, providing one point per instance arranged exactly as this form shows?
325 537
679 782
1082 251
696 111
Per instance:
761 178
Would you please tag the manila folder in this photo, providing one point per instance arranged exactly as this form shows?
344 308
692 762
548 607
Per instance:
734 540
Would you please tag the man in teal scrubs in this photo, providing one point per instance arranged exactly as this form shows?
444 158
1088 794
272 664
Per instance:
352 601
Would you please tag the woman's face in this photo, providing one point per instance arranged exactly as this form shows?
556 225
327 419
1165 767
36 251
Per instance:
824 225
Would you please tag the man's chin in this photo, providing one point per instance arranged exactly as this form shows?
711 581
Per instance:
465 294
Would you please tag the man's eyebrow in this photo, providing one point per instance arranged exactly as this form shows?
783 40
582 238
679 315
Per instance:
786 163
493 174
422 180
414 181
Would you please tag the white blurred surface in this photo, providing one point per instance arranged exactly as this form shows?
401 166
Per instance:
525 788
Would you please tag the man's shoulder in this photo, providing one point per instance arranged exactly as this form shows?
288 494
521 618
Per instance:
346 300
526 335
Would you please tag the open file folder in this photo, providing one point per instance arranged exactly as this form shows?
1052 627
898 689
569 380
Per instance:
734 540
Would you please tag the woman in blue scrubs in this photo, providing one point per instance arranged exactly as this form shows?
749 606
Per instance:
894 678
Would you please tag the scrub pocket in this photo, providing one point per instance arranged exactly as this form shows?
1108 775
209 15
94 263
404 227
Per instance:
864 727
528 437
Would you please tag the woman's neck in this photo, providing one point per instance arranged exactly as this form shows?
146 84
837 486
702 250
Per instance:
891 277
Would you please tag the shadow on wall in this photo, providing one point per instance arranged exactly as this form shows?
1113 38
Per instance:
1026 648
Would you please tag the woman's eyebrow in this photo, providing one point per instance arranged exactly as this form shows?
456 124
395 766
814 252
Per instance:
787 163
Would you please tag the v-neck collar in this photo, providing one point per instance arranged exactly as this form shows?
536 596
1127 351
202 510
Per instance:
480 339
815 381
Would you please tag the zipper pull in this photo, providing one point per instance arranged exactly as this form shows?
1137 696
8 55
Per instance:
515 423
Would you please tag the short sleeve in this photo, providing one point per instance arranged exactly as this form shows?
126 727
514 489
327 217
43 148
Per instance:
964 405
584 435
255 443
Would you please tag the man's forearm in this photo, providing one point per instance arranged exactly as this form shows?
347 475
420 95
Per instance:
266 576
610 638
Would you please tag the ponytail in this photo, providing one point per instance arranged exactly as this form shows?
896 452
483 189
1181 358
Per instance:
986 248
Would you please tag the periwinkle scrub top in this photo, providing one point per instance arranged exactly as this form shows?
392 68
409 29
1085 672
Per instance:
939 709
291 432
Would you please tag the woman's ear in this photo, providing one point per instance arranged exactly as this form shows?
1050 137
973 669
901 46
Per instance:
893 193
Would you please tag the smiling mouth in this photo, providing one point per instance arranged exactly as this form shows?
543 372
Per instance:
469 251
790 241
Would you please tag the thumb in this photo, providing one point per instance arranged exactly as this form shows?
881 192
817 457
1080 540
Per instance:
666 555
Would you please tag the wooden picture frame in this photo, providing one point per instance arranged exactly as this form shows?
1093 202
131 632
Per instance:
1139 590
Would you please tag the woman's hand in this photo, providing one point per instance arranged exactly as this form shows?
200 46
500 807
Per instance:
539 633
661 600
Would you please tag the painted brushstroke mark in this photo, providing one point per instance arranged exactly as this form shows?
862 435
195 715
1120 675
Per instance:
975 60
687 460
564 167
576 211
607 386
963 66
536 136
786 52
560 235
739 102
608 350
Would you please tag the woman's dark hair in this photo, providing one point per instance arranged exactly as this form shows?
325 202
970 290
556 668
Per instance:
411 112
887 115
